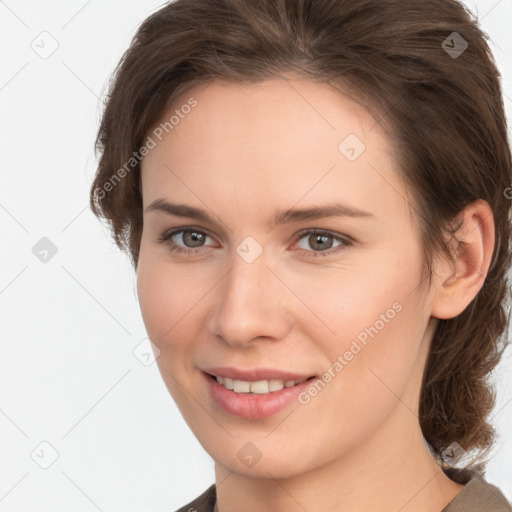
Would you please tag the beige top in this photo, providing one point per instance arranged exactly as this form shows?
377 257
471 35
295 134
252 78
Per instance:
477 495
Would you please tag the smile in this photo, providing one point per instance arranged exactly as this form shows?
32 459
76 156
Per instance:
260 387
254 400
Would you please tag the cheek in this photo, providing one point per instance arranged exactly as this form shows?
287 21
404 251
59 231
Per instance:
167 299
166 296
158 301
356 302
385 366
378 323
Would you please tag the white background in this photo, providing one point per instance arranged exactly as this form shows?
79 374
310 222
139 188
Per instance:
69 326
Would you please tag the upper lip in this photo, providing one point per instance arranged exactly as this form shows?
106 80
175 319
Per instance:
255 374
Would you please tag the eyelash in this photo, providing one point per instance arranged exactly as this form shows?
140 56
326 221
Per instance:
165 238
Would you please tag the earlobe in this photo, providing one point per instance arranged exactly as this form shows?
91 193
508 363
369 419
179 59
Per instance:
457 283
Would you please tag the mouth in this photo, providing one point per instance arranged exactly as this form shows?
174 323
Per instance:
255 399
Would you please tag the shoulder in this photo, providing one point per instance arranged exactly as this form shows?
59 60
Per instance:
203 503
477 495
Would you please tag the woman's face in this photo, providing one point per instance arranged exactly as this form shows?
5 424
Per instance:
231 289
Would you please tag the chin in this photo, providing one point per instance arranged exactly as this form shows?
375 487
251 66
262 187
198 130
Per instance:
243 457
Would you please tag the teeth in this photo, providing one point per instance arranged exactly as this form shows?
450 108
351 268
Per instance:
260 387
242 387
276 384
227 382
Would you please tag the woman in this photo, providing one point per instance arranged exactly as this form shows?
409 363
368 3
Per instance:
316 199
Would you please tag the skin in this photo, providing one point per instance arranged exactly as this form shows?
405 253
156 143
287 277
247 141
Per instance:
243 153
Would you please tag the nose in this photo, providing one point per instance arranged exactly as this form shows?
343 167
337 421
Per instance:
250 302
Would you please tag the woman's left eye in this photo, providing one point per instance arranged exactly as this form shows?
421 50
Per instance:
323 239
316 239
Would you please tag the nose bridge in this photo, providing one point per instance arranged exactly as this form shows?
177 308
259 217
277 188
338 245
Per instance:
247 307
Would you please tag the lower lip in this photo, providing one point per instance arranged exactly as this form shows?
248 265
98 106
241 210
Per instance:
253 406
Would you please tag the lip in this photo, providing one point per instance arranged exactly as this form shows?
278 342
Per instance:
252 406
255 374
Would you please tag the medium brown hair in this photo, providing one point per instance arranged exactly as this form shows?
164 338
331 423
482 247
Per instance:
444 113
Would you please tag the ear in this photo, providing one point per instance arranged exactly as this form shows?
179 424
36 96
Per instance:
456 284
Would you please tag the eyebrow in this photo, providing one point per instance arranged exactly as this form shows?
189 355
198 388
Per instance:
280 217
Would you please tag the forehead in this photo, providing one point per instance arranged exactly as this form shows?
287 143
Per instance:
314 110
276 140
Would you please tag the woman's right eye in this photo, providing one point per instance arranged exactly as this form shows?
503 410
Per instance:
194 237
